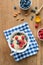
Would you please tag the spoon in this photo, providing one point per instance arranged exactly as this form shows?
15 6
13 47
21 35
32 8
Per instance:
39 9
12 54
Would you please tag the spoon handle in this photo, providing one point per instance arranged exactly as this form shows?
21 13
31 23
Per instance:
11 54
39 9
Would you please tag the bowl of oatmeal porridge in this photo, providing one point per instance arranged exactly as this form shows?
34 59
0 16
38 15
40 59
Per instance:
19 41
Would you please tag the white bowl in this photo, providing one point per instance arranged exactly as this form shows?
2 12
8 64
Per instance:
18 51
38 35
26 8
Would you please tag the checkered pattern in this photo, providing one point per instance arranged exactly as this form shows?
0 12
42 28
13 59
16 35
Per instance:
33 46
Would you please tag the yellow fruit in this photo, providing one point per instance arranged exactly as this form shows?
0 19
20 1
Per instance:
37 19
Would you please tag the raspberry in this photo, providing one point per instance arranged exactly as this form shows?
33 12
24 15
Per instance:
23 43
12 45
16 37
41 33
42 30
41 37
20 45
23 37
36 25
19 41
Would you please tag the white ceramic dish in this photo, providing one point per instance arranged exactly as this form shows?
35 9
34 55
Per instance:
26 8
38 34
19 51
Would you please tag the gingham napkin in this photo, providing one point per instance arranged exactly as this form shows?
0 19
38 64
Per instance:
33 46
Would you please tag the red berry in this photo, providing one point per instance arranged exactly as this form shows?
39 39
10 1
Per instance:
16 37
41 37
41 33
19 41
12 45
23 42
23 37
42 30
20 45
36 25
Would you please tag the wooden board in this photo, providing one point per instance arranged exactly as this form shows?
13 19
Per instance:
7 20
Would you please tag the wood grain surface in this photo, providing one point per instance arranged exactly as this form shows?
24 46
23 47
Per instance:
7 20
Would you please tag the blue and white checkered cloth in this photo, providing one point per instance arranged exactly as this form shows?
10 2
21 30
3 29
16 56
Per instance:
33 46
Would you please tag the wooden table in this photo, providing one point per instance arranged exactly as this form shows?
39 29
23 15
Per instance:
7 20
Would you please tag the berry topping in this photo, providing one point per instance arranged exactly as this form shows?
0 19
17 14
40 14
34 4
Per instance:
12 45
16 37
41 37
19 41
41 33
20 45
23 37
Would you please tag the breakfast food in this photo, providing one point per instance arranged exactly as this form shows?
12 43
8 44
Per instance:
37 19
17 19
32 18
26 14
19 41
40 34
22 19
36 25
24 4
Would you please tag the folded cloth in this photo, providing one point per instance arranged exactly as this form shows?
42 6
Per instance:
33 46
